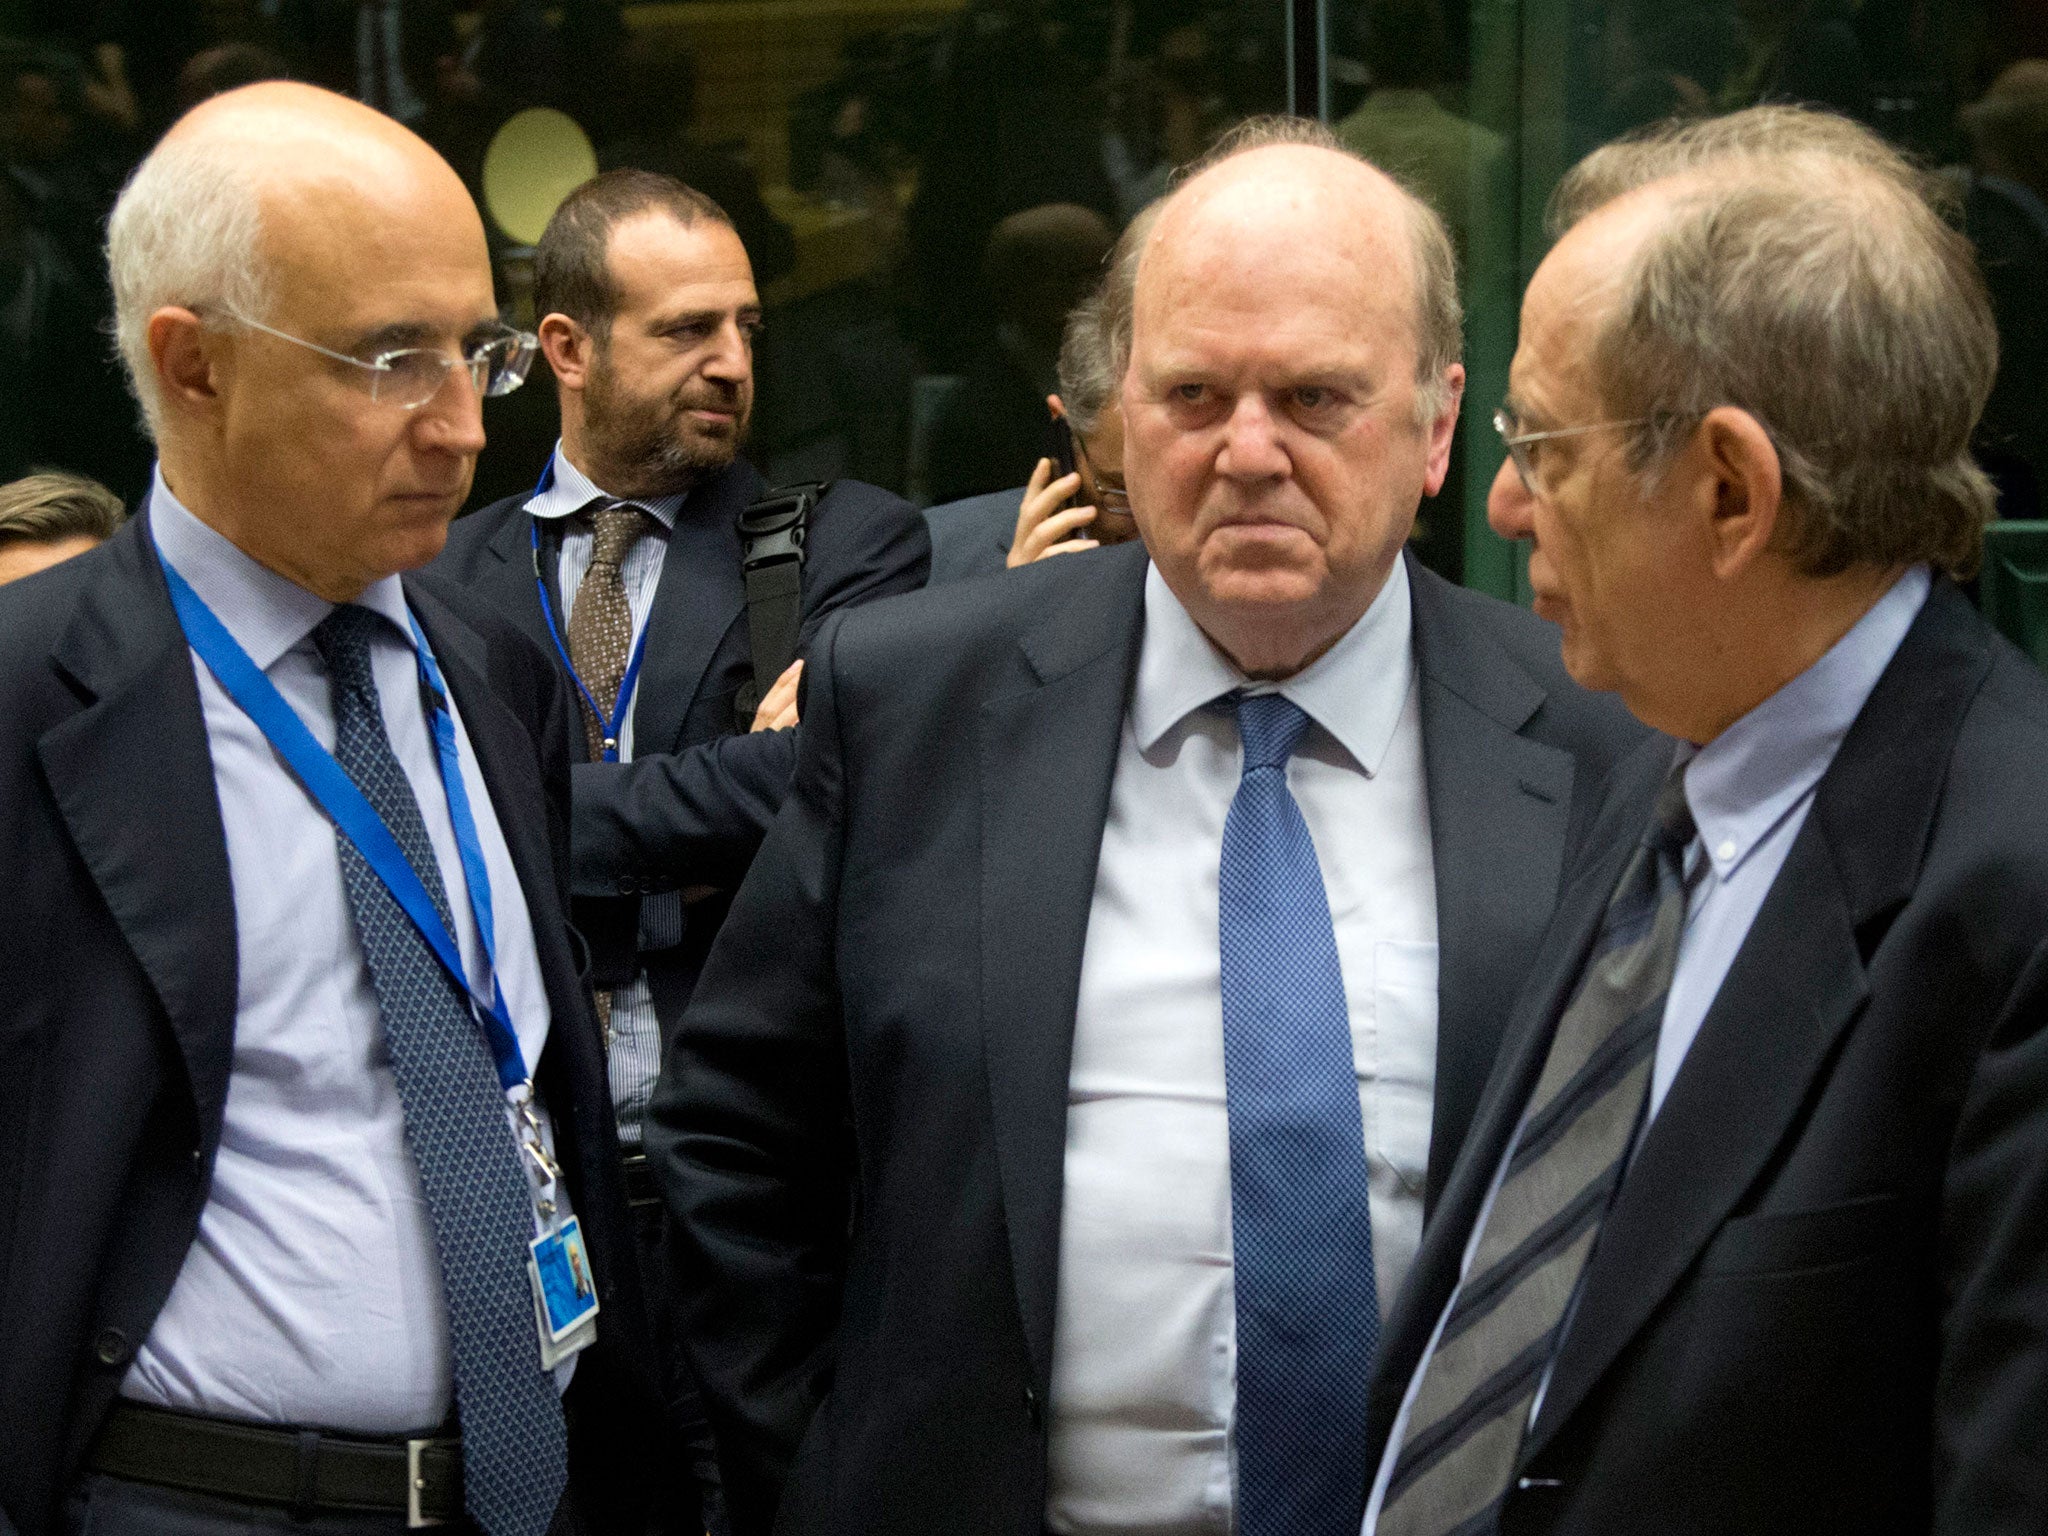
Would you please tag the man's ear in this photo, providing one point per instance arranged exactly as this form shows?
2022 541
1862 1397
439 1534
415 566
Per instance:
1056 407
1441 428
567 347
1745 485
182 351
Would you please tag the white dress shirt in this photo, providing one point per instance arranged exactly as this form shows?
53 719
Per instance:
313 1295
633 1050
1144 1349
1749 791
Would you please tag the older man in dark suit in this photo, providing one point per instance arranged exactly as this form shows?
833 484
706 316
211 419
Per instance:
1069 1084
305 1098
1747 1232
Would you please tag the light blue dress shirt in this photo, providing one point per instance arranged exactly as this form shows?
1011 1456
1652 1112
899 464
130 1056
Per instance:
1749 790
633 1048
1144 1357
312 1294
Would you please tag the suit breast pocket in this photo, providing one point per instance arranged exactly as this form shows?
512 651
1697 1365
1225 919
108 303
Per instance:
1787 1242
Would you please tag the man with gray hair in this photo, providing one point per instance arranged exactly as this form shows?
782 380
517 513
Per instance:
314 1207
1075 502
1087 1042
1746 1236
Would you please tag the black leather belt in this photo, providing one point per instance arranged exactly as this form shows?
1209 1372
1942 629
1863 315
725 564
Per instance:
640 1186
308 1471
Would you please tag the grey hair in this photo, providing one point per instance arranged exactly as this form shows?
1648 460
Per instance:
186 231
1439 317
1087 385
1822 139
1850 320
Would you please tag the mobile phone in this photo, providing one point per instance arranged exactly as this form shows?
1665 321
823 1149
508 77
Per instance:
1060 449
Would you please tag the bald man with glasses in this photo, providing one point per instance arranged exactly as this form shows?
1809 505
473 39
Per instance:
314 1211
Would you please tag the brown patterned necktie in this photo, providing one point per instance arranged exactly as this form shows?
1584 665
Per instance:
601 638
601 620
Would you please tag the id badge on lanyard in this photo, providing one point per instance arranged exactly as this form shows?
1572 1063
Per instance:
564 1293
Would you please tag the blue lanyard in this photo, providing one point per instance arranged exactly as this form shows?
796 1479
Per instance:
357 820
611 720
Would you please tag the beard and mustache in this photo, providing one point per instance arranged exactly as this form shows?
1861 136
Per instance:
654 446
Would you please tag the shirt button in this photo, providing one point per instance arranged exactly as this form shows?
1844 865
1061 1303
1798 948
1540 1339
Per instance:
110 1347
1726 851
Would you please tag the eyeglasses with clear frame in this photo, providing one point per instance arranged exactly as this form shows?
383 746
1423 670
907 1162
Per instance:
408 377
1509 426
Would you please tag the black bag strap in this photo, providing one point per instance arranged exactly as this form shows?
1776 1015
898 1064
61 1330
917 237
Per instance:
772 534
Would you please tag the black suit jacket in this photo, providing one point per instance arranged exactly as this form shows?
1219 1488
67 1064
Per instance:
892 1005
1820 1302
695 802
117 1004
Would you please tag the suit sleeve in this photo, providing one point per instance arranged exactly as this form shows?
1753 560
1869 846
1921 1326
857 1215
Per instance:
749 1135
1991 1396
695 817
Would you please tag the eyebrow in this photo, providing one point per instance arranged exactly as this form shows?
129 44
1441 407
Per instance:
707 316
416 333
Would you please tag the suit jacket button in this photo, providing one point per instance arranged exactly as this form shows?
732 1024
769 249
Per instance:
110 1346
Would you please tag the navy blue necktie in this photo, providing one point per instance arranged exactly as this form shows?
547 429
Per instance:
514 1445
1308 1316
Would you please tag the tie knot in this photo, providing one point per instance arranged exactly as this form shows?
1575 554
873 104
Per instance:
1671 828
343 641
615 527
1269 726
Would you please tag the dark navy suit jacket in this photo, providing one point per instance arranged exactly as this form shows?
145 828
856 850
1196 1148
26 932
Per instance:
694 804
117 1004
1819 1303
885 1027
972 537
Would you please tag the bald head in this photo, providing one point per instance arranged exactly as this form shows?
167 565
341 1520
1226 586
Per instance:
271 258
271 128
307 180
1284 189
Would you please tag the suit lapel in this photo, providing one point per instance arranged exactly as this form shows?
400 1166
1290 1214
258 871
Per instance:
1499 804
1797 982
701 592
505 753
1048 753
1579 910
508 575
132 776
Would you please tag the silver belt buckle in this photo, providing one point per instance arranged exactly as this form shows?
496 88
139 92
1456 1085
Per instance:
415 1485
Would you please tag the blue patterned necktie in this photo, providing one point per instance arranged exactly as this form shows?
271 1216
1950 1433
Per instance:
514 1446
1308 1316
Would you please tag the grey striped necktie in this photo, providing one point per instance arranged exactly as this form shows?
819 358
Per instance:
1465 1428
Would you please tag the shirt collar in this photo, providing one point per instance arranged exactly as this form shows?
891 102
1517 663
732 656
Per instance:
1354 690
1746 780
266 613
570 490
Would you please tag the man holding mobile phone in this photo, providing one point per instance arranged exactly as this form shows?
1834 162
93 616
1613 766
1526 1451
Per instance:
1075 498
